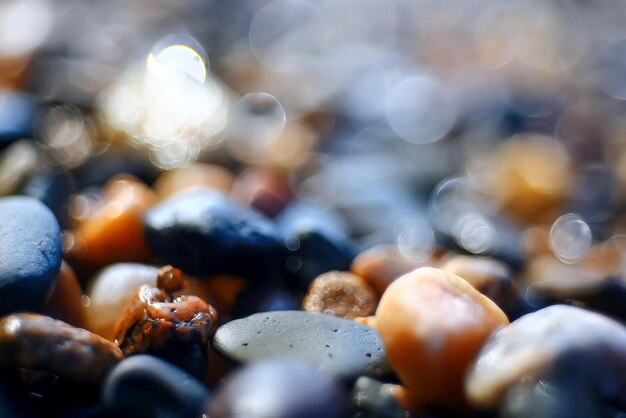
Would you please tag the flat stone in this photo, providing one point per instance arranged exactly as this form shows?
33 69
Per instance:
204 232
339 346
30 254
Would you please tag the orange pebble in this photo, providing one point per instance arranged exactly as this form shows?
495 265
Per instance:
66 301
432 324
114 230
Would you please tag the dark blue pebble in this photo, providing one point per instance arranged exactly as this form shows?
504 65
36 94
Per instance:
17 113
143 386
52 188
205 232
314 251
285 388
30 254
264 299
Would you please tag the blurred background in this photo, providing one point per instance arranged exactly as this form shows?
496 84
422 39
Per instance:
492 128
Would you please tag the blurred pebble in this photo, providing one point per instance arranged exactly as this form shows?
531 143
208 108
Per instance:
37 342
286 388
314 251
490 277
17 163
433 323
339 346
264 189
113 231
375 399
17 112
111 290
143 386
571 347
264 299
66 303
340 294
195 176
30 254
380 265
204 232
53 188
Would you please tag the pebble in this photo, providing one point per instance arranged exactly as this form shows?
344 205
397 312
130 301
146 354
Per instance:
381 265
339 346
111 290
314 251
375 399
143 386
174 328
341 294
38 342
204 232
113 231
66 303
195 176
565 343
285 388
264 189
264 299
433 324
490 277
30 254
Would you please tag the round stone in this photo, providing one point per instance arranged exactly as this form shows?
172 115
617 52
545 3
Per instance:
30 254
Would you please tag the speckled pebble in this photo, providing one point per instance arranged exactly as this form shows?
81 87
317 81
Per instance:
339 346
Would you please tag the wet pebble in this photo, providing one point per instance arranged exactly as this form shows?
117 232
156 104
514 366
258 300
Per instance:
110 292
568 346
30 254
313 251
339 346
204 232
286 388
143 386
38 342
433 324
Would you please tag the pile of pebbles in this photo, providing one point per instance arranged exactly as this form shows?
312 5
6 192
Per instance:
452 249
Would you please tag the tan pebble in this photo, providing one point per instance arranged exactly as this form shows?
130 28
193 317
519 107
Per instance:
340 294
197 175
432 324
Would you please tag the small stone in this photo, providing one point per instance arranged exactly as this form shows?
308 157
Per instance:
204 232
568 345
339 346
286 388
30 254
143 386
433 324
341 294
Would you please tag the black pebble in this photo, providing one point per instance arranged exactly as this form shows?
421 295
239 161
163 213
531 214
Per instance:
143 386
205 232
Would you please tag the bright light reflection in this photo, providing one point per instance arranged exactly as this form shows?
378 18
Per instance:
570 238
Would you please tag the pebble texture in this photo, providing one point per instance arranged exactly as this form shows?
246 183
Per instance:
30 254
339 346
204 232
143 386
285 388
